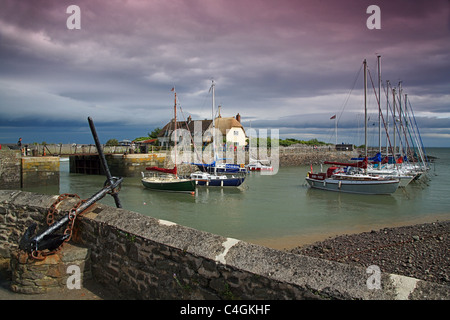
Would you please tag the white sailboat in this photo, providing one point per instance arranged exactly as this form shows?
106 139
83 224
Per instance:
411 162
378 168
259 165
393 171
353 178
167 179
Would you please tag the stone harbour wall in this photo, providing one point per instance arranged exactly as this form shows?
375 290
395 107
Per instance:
309 156
140 257
17 171
131 165
40 171
121 165
10 169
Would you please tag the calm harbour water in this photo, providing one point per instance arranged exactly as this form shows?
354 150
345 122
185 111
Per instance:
280 211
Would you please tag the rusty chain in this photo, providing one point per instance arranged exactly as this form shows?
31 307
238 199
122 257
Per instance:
52 212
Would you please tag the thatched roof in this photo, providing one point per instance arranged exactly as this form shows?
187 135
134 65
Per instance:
167 130
224 124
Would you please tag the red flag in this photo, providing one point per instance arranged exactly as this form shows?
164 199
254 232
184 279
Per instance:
173 89
333 117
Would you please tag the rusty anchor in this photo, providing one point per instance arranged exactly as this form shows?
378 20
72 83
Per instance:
48 240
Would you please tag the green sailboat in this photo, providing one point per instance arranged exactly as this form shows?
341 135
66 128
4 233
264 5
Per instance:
167 181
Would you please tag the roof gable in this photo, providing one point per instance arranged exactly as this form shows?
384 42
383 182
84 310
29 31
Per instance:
225 124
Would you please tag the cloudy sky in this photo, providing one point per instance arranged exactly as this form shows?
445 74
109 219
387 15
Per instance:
282 64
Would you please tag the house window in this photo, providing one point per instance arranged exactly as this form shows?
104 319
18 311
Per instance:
236 133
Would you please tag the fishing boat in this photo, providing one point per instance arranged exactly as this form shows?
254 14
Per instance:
163 179
353 177
209 176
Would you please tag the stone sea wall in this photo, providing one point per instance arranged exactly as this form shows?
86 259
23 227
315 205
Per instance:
140 257
40 171
307 155
10 169
18 172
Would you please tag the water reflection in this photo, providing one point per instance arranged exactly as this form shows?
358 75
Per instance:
207 195
347 201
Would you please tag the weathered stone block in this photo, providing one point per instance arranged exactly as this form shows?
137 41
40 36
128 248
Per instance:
32 276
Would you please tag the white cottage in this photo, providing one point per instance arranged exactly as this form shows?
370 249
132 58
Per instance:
232 129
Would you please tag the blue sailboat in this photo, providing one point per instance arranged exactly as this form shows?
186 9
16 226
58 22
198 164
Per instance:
221 167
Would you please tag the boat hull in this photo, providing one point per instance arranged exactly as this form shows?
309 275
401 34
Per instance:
206 179
230 182
227 168
180 185
358 187
254 168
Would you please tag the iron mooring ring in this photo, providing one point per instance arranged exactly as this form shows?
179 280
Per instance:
109 183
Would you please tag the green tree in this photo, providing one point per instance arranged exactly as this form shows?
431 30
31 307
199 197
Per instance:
112 142
154 133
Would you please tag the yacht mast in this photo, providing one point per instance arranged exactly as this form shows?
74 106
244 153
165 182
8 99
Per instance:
379 109
175 131
365 108
387 119
400 93
213 123
395 125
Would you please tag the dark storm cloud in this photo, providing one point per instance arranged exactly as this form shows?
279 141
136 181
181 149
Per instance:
293 62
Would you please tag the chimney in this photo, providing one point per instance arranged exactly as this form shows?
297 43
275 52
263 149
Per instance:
238 118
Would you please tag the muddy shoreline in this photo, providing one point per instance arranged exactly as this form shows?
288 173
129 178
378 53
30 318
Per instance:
420 251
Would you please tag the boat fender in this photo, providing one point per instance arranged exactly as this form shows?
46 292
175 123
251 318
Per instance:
339 184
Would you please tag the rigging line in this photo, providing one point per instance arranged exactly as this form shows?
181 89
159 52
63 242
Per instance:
413 127
388 104
418 132
344 104
411 131
396 126
402 115
350 92
381 114
392 109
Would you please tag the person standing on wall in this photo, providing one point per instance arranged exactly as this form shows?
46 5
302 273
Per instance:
19 143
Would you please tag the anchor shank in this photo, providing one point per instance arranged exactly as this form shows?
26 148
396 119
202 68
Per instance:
103 161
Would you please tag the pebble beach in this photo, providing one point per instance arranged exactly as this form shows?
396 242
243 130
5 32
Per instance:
420 251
